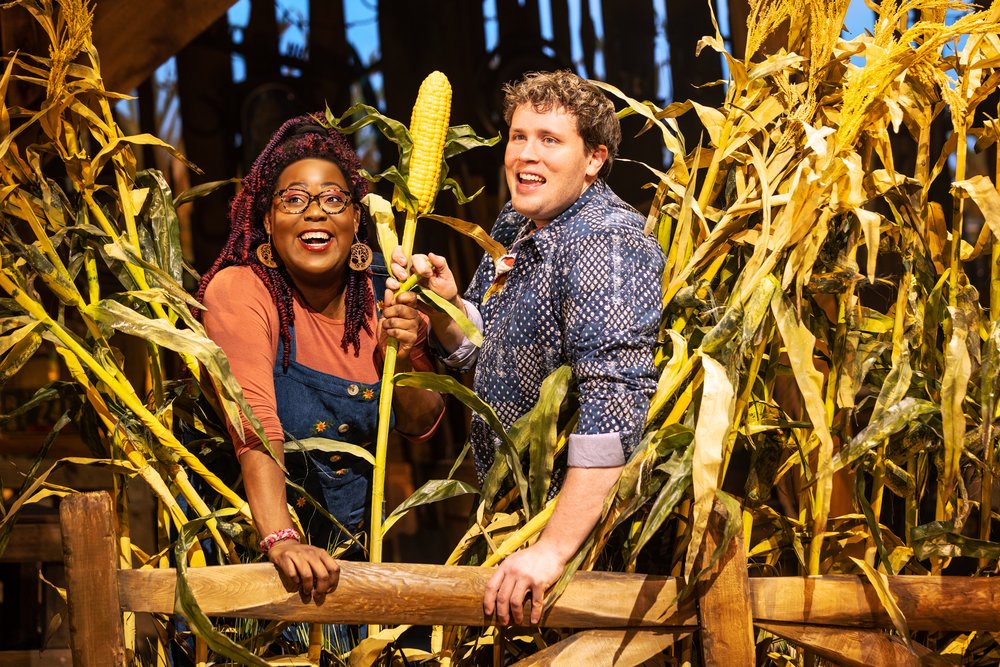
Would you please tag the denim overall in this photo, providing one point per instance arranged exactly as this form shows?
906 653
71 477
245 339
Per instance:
312 404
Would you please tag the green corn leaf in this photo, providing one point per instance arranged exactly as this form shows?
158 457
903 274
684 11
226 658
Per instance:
470 330
938 538
461 138
186 605
161 216
892 420
446 384
328 445
678 480
474 232
160 332
119 144
202 190
430 492
880 583
542 430
456 189
19 354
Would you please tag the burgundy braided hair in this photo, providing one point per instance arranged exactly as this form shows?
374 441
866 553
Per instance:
297 139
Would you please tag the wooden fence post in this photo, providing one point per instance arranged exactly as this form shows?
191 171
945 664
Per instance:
724 602
90 552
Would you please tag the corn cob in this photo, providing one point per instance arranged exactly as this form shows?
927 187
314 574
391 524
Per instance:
428 128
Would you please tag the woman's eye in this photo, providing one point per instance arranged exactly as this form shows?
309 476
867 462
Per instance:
293 198
335 198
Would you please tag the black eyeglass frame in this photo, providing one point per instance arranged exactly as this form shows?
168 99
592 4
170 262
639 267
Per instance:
310 198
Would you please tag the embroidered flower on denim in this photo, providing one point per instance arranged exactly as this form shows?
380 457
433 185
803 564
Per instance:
319 427
300 501
368 394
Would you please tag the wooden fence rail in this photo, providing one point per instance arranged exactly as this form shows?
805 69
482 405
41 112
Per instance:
631 617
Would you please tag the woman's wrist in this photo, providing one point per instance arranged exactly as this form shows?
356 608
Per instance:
277 536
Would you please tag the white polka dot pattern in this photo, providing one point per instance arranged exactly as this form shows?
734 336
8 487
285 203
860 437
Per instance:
584 291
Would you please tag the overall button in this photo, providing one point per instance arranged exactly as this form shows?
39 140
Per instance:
343 428
334 458
353 389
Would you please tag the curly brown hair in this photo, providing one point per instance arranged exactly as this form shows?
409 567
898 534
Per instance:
596 120
298 139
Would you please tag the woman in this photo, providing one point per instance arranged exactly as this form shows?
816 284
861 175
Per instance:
291 302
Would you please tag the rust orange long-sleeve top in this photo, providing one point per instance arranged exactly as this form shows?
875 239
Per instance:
242 319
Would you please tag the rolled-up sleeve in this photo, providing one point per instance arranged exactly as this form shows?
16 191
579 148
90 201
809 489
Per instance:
611 310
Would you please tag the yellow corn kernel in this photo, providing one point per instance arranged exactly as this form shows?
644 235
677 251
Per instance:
428 129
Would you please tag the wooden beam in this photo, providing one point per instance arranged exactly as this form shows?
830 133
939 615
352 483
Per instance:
134 38
724 598
90 552
855 647
34 541
450 595
407 593
928 603
52 657
621 648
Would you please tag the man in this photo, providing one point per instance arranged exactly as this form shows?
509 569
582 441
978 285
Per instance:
580 286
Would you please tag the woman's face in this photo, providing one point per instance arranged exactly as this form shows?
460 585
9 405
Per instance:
313 244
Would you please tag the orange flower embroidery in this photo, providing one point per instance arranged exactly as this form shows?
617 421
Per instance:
320 427
368 394
300 502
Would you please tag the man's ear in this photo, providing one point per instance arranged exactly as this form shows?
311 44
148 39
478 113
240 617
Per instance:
598 157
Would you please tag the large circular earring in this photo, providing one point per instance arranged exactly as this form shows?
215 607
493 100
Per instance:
265 255
361 256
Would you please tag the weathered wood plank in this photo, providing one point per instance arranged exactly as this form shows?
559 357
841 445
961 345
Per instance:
90 554
621 648
855 647
428 594
161 28
53 657
724 598
392 593
928 603
32 541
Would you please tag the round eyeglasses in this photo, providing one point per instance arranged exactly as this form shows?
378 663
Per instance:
296 201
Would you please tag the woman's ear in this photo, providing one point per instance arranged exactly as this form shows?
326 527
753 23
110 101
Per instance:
357 218
267 223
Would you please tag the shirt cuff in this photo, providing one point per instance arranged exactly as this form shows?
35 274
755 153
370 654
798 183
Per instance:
596 450
466 354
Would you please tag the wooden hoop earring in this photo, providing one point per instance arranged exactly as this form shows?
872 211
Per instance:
361 256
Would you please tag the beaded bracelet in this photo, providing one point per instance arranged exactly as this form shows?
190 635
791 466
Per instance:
279 536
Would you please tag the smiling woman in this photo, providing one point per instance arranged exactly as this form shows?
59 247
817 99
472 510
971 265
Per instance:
292 303
313 240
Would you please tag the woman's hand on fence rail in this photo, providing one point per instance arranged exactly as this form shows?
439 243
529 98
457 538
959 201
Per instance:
311 569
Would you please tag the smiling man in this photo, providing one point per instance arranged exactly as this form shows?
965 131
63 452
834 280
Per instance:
580 286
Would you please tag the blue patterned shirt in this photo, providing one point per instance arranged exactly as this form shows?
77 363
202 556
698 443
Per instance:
584 291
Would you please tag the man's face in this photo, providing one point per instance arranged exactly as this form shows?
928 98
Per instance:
546 163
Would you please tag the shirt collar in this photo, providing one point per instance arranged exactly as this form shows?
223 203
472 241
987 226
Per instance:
545 237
